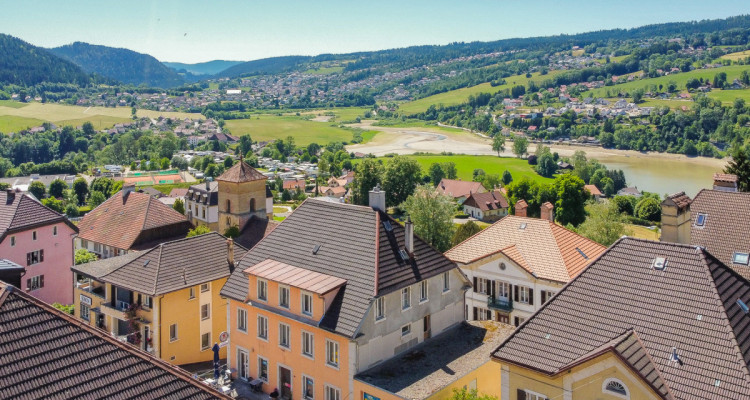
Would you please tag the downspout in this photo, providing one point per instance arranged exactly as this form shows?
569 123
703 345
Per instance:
157 325
229 344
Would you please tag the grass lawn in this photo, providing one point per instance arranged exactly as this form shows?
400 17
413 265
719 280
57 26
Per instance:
12 104
11 123
168 187
459 96
727 97
280 210
279 219
271 127
342 114
324 70
641 232
466 164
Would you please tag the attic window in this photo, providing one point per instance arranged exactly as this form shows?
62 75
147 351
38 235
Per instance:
404 254
316 249
388 226
522 226
674 357
582 253
743 306
145 264
700 220
659 264
740 258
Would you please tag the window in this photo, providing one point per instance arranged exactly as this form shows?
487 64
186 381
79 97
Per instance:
332 353
192 293
446 282
423 288
546 295
283 296
262 290
380 308
700 220
12 241
615 387
307 301
148 302
263 369
85 311
503 290
172 332
84 244
332 393
284 335
482 314
242 320
484 286
205 341
307 388
523 294
519 320
33 235
406 329
35 282
35 257
262 327
308 344
534 396
740 258
205 287
252 205
205 311
229 206
54 231
405 298
204 212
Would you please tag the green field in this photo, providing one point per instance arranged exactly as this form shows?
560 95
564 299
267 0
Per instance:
466 165
459 96
727 97
740 55
272 127
10 123
166 188
325 70
342 114
12 104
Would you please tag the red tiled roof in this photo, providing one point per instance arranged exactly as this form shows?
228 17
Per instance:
241 172
679 200
458 188
19 211
593 190
486 201
548 250
304 279
295 184
122 220
729 178
178 192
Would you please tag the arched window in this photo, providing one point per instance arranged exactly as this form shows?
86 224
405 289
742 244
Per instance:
615 387
229 206
252 205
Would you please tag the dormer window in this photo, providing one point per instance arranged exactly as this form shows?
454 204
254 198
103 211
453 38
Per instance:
307 304
700 219
262 290
740 258
283 296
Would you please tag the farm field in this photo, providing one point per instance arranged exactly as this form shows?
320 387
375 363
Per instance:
466 164
342 113
459 96
272 127
736 56
15 118
727 97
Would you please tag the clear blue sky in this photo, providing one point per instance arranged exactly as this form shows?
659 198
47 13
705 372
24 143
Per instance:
194 31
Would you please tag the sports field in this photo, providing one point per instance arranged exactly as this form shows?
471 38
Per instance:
272 127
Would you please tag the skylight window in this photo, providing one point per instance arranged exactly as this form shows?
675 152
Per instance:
388 226
740 258
316 249
582 253
700 220
743 306
674 357
522 226
404 254
659 264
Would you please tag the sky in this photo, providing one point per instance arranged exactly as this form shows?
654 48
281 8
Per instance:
193 31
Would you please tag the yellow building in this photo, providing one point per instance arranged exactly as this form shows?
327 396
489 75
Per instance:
165 301
242 195
646 320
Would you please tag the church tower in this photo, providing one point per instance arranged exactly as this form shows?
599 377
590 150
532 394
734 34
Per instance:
242 194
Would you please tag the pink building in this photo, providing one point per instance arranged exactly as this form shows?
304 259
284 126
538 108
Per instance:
41 240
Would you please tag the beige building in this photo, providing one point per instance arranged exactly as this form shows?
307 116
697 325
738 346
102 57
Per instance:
242 194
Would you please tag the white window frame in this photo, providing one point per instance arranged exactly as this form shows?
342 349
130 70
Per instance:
207 308
380 309
548 295
285 336
206 286
261 377
308 343
262 327
406 298
523 294
330 361
208 343
284 289
424 291
262 288
242 320
534 395
176 336
191 294
406 330
446 282
304 387
744 256
303 296
332 392
85 312
502 290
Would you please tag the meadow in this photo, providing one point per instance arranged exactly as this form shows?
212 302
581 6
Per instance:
459 96
271 127
740 55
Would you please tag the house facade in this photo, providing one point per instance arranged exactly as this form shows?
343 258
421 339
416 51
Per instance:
487 206
202 205
40 240
242 194
165 301
512 277
345 297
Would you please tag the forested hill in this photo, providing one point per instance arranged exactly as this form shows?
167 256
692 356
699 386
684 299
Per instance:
24 64
272 65
124 65
204 68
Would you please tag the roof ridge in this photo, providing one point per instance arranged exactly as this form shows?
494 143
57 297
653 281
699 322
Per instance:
145 215
158 267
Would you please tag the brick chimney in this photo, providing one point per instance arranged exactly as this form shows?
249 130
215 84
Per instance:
377 199
725 182
520 208
126 189
230 254
548 212
11 195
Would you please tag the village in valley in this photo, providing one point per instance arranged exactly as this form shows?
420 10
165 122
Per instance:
558 217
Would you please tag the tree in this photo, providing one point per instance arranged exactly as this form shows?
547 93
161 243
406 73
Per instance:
571 198
245 145
96 198
54 204
465 394
637 96
604 225
81 189
498 143
368 174
88 129
198 230
83 256
520 146
739 165
432 215
71 210
507 178
37 189
286 195
648 208
179 206
436 173
401 177
228 162
232 232
57 188
179 163
465 231
546 165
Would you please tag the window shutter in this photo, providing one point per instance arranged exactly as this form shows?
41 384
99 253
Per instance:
492 289
28 259
544 296
515 293
41 255
476 286
476 317
531 296
41 281
521 394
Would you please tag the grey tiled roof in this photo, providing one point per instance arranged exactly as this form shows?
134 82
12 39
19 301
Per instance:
19 211
7 264
100 268
354 246
45 353
691 305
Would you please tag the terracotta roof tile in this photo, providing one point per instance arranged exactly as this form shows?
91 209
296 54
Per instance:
241 172
728 178
679 200
593 190
486 201
457 188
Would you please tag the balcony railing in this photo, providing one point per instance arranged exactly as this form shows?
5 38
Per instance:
122 305
501 304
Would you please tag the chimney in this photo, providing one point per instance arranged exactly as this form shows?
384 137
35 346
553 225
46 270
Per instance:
208 185
725 182
548 212
230 254
377 198
409 235
520 208
675 219
11 194
126 189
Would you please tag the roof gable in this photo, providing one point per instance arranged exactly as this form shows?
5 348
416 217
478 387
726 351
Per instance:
19 211
458 188
241 172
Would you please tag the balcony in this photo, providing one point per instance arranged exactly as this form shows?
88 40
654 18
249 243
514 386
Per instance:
500 304
115 312
89 287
